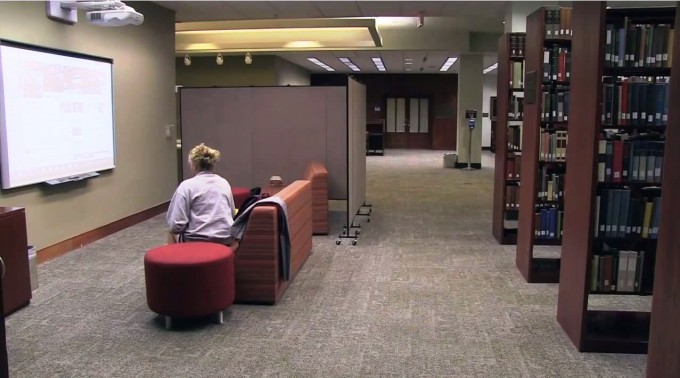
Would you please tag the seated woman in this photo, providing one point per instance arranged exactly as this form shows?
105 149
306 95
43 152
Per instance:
202 208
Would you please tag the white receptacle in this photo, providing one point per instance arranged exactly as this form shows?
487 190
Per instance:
450 160
33 266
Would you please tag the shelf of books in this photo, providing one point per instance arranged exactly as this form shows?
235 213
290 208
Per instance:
508 136
543 161
620 86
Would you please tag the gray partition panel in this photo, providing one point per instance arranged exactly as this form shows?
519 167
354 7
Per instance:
356 101
293 135
266 131
218 118
336 140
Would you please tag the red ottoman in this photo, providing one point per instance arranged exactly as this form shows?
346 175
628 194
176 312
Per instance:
189 280
240 195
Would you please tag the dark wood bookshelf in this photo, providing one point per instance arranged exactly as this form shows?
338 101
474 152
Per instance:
643 294
503 152
658 129
375 137
664 339
591 330
493 111
636 71
533 269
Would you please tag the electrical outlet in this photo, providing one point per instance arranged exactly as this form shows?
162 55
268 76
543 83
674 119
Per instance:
168 131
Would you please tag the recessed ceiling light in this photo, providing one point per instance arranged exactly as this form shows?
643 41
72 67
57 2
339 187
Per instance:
490 68
321 64
449 62
379 64
408 62
407 69
503 22
348 62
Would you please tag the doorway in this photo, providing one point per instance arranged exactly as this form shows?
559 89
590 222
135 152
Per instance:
407 123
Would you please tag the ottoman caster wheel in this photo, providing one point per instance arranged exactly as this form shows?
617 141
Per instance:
354 242
337 242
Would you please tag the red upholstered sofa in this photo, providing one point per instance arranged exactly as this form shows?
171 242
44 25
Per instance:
257 263
317 174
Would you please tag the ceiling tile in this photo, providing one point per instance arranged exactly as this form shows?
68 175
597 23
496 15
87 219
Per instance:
338 8
428 8
380 8
295 9
257 10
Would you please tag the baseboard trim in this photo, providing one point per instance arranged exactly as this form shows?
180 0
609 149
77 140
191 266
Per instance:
88 237
486 148
464 165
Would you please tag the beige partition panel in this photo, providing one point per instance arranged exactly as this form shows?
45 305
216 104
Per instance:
267 131
356 114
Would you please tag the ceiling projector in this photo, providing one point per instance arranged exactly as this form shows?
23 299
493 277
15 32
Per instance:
115 17
98 12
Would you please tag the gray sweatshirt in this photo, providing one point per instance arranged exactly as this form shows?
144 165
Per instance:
202 208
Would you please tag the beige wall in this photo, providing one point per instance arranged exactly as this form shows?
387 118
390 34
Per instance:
144 79
265 71
288 73
470 92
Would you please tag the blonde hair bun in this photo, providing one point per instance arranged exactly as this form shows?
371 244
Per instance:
203 158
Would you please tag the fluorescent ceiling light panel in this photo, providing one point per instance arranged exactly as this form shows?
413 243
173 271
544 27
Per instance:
275 35
321 64
379 64
348 62
490 68
449 62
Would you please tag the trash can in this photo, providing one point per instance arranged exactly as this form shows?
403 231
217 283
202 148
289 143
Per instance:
33 266
450 160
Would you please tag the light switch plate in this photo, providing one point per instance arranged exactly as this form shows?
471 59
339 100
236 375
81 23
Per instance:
56 12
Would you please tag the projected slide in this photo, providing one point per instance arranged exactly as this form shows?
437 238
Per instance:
56 116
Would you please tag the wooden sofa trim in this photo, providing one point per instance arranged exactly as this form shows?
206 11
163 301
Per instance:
258 271
316 173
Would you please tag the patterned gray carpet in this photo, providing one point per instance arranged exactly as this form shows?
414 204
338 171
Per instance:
426 292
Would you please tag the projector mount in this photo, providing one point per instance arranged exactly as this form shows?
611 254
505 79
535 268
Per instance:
98 12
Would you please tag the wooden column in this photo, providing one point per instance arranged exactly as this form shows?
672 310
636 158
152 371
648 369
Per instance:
664 337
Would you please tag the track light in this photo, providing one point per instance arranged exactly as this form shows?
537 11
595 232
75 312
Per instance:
421 20
187 60
249 58
219 60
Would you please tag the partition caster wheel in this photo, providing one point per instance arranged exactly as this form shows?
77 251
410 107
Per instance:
368 220
370 211
337 242
354 242
358 232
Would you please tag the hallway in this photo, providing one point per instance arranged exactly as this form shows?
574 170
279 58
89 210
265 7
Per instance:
426 292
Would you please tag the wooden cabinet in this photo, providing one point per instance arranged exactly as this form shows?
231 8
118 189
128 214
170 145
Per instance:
375 137
4 368
16 284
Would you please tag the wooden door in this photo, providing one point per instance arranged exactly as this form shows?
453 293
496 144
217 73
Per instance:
408 123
